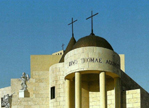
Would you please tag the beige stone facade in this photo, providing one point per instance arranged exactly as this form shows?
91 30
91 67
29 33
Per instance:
89 77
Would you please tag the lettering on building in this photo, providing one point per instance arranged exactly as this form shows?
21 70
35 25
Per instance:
84 60
73 62
93 60
112 63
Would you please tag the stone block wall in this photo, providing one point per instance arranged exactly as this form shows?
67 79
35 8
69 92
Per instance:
57 81
41 85
94 92
16 86
95 99
111 99
29 103
38 89
132 99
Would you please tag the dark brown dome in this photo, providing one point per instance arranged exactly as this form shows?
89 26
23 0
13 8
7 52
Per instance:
92 40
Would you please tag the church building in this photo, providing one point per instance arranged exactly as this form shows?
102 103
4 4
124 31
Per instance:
87 74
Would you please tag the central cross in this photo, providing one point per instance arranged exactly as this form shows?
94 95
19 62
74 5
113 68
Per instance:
72 25
91 21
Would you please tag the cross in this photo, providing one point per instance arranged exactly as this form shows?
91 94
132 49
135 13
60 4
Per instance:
72 25
62 46
91 21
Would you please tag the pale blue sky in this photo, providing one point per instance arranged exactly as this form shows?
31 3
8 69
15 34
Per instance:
40 27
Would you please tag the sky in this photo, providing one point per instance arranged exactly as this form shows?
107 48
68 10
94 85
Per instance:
40 27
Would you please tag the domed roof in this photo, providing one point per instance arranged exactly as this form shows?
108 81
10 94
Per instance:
92 40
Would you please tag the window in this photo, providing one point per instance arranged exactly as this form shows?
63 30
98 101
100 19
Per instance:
52 92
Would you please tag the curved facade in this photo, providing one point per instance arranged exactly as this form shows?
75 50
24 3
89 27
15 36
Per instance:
95 59
87 73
